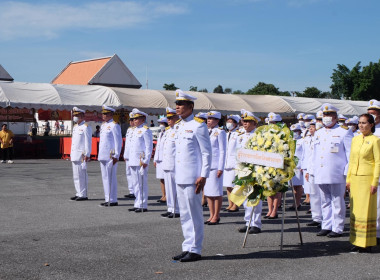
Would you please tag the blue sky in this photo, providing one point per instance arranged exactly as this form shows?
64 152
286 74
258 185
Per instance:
236 43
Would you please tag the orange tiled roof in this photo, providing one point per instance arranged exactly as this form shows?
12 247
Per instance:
80 73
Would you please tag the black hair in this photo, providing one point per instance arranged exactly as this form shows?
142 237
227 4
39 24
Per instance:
370 119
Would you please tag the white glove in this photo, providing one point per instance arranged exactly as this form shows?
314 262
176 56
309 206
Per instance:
141 171
84 165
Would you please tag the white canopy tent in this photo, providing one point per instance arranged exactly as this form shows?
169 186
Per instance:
64 97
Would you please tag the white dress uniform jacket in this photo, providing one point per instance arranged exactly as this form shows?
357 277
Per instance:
168 167
158 155
192 160
230 164
110 144
330 163
309 186
80 147
256 218
214 185
128 139
141 147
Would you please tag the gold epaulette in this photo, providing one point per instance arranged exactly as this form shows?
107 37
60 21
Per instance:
75 124
198 120
146 127
115 122
85 124
166 128
178 121
221 128
344 127
240 133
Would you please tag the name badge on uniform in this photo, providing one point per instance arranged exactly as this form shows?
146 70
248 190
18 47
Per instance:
334 148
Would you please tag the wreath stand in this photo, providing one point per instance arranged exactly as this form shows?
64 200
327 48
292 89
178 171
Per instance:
283 219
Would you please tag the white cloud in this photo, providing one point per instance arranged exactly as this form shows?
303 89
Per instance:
21 19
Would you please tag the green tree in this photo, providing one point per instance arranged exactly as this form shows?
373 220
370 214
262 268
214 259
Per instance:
218 89
285 93
311 92
228 90
344 80
238 92
193 88
170 86
203 90
263 89
367 85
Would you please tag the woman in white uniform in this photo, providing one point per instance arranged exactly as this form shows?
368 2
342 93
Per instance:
230 165
297 180
213 189
158 156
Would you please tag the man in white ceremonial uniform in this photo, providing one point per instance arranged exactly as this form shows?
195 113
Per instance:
128 139
157 160
374 110
110 144
141 147
230 165
192 167
330 164
315 195
168 164
80 153
250 122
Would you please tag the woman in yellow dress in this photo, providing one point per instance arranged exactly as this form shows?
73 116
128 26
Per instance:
362 180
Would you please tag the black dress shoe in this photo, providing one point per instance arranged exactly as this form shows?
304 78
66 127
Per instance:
176 215
266 217
132 209
73 198
242 229
231 211
81 198
180 256
105 204
323 232
191 257
139 210
215 223
308 211
273 218
293 208
334 234
225 209
313 224
254 230
131 195
164 214
206 222
204 205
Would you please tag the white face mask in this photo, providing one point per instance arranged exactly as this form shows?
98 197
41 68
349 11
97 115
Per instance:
75 119
296 134
162 127
230 126
327 121
302 123
318 125
307 124
351 127
374 117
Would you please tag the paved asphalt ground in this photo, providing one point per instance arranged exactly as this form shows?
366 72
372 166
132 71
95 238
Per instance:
44 235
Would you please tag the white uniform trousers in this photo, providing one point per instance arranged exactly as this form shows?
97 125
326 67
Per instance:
171 192
190 208
315 201
129 178
333 207
80 179
109 178
140 186
378 213
159 170
256 218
